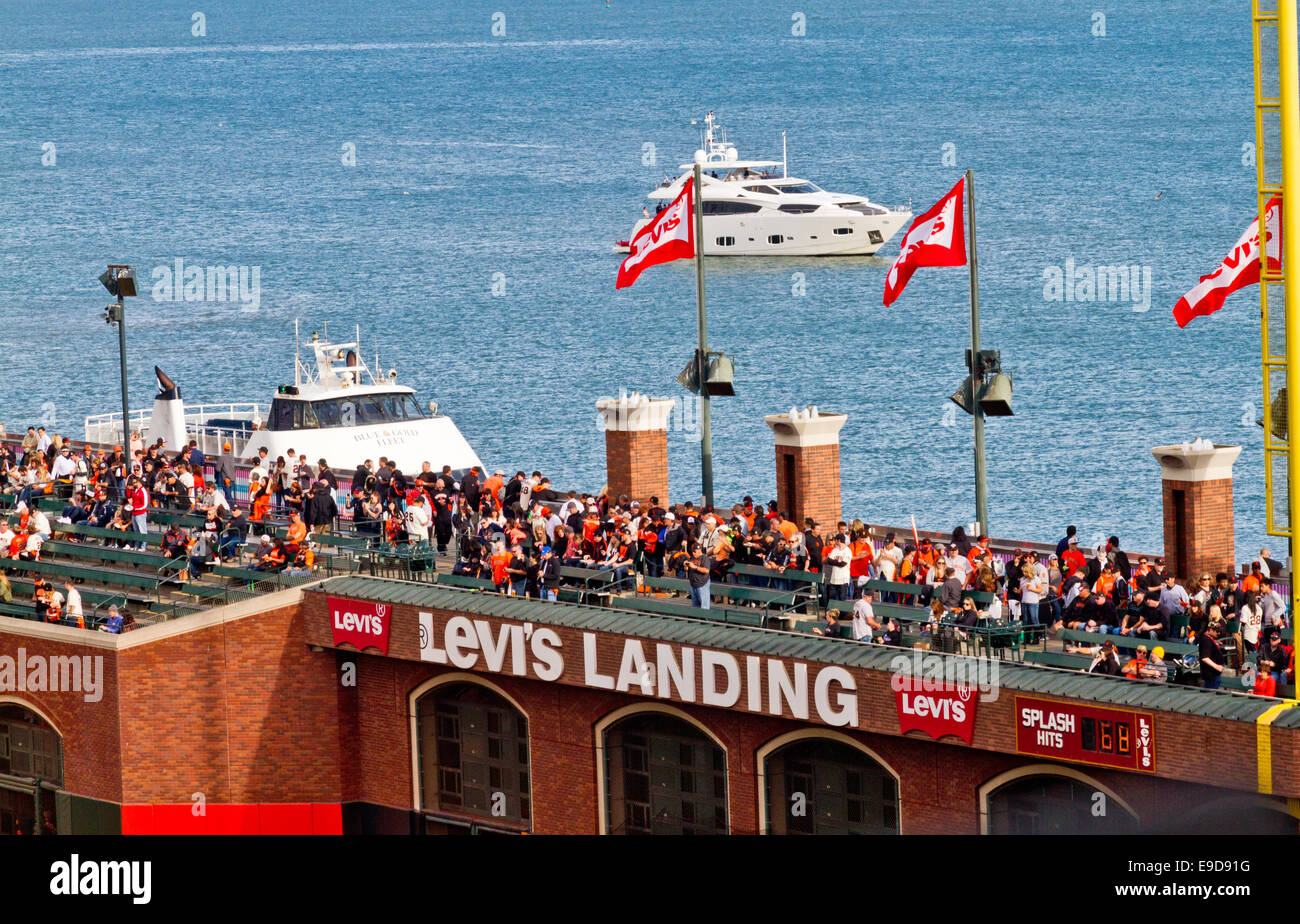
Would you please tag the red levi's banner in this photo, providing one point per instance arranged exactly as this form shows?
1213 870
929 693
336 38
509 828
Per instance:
360 623
670 235
1240 268
937 710
936 238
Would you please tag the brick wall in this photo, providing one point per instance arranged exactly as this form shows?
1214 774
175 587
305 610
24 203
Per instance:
636 464
245 712
815 491
1209 543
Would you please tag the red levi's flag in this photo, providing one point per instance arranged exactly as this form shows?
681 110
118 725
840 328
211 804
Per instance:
1240 268
670 235
937 238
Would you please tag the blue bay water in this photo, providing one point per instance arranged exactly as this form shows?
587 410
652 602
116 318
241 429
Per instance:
522 156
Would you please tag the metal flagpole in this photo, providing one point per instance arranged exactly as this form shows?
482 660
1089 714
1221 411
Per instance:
702 353
1288 66
976 371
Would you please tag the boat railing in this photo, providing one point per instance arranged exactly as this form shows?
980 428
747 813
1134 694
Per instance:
107 428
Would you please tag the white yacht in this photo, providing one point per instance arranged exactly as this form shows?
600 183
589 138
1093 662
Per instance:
336 409
753 208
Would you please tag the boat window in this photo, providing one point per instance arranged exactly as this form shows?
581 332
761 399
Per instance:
759 188
801 188
357 411
730 208
304 417
775 239
799 209
328 413
726 241
843 231
281 414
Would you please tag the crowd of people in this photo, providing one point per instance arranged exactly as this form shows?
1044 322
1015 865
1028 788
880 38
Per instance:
518 532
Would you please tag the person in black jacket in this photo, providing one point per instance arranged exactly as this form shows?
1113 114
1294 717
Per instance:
1120 559
442 526
549 574
319 510
514 487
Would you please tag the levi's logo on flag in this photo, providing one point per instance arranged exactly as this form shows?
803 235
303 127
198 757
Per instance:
937 710
670 235
936 238
360 623
1240 268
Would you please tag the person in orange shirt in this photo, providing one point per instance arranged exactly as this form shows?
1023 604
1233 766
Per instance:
1105 581
749 513
1254 581
492 488
1073 559
500 564
295 536
260 505
274 559
863 556
786 527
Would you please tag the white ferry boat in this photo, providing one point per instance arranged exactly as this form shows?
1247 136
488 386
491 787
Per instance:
336 409
753 208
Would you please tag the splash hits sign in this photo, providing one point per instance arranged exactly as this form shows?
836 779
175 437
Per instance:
1094 735
361 623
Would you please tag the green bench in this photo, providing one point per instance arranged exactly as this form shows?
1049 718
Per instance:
89 596
898 612
170 517
465 582
345 543
758 572
58 569
675 585
81 550
666 606
19 610
100 532
1127 642
782 600
594 582
911 593
1060 659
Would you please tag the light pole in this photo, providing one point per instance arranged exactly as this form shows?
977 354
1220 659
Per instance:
119 280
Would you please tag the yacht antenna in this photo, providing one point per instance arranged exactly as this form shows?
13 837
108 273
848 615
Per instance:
783 171
297 360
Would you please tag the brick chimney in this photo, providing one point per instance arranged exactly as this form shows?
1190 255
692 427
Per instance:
1196 484
636 446
808 464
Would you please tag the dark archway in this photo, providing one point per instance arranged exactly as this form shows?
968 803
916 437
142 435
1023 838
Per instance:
1047 803
473 755
663 776
821 786
31 769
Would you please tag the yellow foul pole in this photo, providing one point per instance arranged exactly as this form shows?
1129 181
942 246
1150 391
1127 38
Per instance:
1289 97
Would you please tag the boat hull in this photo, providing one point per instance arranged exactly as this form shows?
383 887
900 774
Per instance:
803 235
